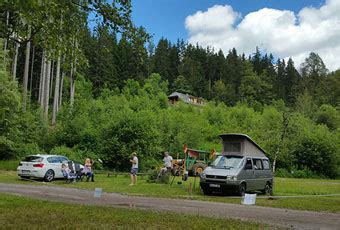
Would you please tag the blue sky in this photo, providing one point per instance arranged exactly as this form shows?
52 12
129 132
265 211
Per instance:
285 28
166 18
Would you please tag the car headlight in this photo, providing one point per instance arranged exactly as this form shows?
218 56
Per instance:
231 177
202 175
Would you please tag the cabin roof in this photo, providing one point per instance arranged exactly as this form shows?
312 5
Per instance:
240 135
182 96
187 98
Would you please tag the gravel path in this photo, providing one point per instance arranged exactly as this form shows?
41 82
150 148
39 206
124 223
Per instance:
273 216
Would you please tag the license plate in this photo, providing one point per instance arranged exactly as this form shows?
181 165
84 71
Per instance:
25 171
214 185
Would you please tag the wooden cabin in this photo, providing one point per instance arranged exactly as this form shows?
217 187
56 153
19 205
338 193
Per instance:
186 98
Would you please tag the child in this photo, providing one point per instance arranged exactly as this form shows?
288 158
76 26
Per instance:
65 170
67 173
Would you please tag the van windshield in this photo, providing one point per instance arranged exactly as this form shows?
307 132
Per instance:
227 162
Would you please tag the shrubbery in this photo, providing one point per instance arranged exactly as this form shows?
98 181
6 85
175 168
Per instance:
138 118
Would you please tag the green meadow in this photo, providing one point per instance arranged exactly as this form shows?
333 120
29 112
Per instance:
285 188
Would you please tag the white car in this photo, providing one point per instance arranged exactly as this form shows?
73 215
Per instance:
47 167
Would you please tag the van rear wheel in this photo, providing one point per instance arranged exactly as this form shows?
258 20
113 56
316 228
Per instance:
267 189
242 189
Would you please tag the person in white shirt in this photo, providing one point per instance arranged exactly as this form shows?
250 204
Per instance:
134 169
167 161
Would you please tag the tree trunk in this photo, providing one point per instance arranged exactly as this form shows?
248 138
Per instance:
32 66
285 122
42 80
15 61
6 40
72 78
56 93
71 86
61 90
52 79
47 89
72 92
25 78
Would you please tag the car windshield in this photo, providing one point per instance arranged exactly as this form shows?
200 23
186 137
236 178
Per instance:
33 159
227 162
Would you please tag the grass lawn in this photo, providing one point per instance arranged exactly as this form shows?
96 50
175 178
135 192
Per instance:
25 213
284 187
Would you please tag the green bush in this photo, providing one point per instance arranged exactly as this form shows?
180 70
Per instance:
329 116
71 154
297 173
155 177
9 165
153 174
146 164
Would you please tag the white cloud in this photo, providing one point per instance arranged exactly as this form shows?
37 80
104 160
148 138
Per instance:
281 32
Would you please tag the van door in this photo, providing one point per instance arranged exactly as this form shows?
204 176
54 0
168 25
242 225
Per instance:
247 174
267 171
259 174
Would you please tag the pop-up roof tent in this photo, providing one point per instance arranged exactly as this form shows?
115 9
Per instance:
240 144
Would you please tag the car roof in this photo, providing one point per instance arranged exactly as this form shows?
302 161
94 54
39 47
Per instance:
45 155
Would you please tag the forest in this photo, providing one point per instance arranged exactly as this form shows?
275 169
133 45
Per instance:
78 78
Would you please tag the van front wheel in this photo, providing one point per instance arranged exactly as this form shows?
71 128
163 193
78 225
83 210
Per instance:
242 189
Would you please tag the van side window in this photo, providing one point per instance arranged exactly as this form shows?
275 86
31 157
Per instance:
257 164
248 164
265 164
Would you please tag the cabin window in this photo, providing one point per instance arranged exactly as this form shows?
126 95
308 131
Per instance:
257 164
265 164
232 147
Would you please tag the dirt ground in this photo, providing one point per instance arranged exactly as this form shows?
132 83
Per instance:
273 216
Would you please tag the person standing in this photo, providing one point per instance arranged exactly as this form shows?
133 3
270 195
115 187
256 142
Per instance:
134 169
167 161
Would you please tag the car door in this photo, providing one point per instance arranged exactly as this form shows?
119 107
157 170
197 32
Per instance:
55 164
61 160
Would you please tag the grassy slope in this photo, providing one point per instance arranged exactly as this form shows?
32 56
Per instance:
24 213
284 186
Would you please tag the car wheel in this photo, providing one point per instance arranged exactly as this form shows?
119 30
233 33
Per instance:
267 189
49 176
198 168
242 189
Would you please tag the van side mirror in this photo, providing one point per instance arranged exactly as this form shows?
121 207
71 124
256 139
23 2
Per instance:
248 166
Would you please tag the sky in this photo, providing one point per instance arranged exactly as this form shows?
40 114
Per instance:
285 28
